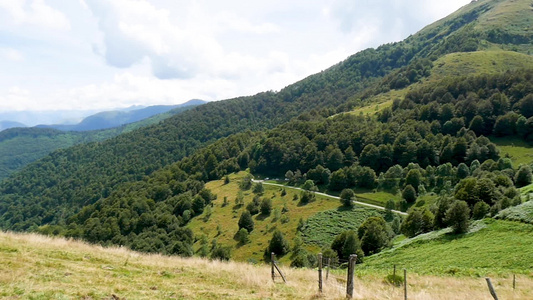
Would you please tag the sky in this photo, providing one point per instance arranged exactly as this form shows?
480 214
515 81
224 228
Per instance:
103 54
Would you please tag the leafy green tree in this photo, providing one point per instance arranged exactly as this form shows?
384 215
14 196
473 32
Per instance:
413 178
374 234
243 236
458 216
486 190
443 205
526 106
246 221
347 197
308 185
409 194
417 221
278 244
367 178
523 176
480 211
266 206
198 205
463 171
335 159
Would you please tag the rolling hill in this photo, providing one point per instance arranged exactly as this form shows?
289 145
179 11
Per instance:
434 98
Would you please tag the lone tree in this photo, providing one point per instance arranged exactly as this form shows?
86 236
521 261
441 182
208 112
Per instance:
457 216
246 221
347 197
278 244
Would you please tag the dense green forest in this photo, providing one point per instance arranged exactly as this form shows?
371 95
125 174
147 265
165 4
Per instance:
141 188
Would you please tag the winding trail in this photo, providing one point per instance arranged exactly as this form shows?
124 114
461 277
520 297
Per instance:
330 196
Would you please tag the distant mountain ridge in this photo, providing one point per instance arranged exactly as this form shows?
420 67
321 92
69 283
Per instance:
10 124
21 146
115 118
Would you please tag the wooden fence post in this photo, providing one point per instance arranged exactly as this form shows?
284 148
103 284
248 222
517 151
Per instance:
349 282
514 281
272 257
327 270
405 284
491 289
320 273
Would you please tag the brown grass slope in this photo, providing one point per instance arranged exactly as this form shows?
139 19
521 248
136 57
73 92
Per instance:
39 267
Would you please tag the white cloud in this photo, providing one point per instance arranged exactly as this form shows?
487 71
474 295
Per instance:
36 13
11 54
16 98
125 52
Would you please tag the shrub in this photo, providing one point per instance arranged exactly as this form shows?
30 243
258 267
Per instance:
347 197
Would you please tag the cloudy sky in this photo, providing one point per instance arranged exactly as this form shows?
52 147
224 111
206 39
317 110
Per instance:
104 54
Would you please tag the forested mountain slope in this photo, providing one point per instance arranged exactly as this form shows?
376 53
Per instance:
21 146
424 138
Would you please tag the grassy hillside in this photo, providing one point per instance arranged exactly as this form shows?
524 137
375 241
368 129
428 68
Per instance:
492 247
226 218
519 151
38 267
479 62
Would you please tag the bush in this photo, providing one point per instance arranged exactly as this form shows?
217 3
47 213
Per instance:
221 253
347 197
395 280
306 197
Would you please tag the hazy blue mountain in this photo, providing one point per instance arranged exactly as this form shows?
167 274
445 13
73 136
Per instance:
10 124
115 118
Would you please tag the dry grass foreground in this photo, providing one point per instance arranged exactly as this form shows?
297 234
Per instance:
39 267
